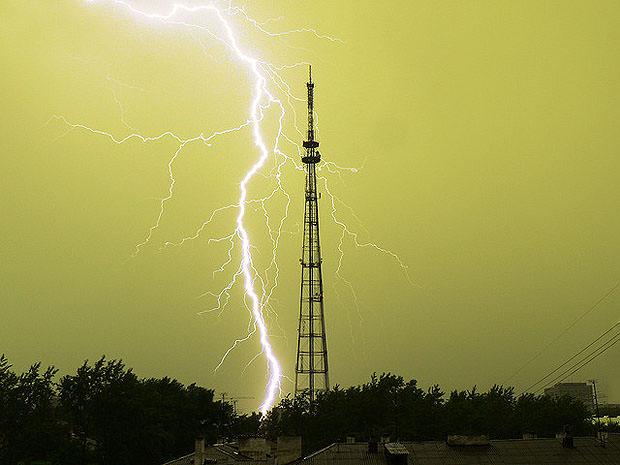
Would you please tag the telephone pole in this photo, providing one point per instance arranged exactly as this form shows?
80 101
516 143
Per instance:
599 433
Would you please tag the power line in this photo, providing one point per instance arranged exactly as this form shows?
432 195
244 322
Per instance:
582 362
574 356
601 350
567 329
566 362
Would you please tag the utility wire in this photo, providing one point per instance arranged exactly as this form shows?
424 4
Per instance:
585 361
567 329
559 367
573 357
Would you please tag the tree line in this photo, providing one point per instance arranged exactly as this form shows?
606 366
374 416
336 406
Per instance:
104 414
389 406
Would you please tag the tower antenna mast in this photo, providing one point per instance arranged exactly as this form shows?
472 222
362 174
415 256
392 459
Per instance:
311 370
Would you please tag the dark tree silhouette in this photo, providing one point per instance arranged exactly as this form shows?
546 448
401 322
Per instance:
387 405
29 427
106 415
121 419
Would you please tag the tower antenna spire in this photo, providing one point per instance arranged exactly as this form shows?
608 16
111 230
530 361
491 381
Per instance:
311 370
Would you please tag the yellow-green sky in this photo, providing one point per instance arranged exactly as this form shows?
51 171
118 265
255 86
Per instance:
487 137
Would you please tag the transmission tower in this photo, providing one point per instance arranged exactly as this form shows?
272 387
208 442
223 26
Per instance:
311 371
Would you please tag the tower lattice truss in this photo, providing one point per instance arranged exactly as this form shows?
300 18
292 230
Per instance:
311 371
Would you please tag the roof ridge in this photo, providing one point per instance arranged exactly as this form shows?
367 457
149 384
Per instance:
180 458
320 451
231 453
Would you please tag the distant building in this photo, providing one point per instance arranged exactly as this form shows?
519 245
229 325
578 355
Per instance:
610 410
580 391
478 451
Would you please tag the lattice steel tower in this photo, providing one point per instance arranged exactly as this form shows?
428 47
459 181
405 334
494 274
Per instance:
311 371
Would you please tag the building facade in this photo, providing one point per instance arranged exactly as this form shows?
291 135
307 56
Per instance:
580 391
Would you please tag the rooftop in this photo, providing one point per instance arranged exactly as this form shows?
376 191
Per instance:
220 454
586 451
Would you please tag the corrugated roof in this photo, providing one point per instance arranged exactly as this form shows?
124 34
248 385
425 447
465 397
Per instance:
222 454
587 451
185 460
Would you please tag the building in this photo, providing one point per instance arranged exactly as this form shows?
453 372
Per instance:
610 410
463 451
457 450
579 391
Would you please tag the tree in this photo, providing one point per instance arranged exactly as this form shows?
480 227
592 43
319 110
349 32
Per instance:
120 419
29 426
387 405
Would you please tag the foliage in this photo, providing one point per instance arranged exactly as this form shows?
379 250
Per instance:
103 414
388 405
106 415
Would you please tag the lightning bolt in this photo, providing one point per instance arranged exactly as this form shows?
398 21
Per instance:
262 99
258 287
